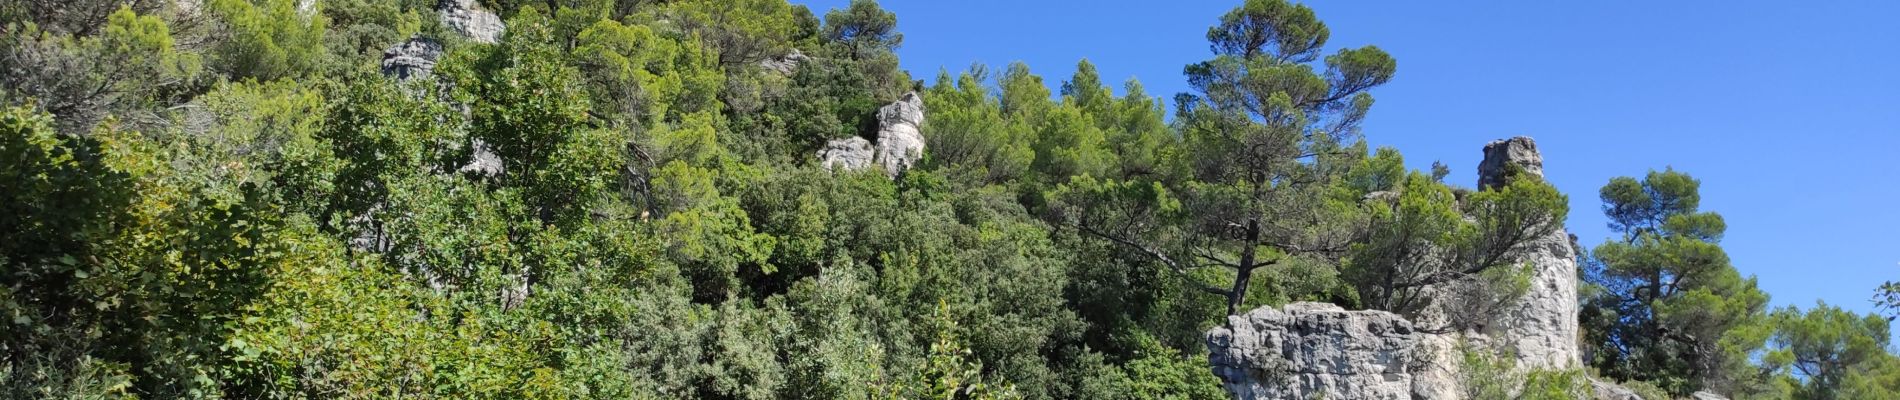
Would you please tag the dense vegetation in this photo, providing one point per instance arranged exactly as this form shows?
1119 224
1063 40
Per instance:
226 198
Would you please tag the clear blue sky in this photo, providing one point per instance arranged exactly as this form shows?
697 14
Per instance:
1789 112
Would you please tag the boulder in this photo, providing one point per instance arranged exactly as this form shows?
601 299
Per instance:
467 18
850 154
411 59
1705 395
1309 350
900 141
1606 390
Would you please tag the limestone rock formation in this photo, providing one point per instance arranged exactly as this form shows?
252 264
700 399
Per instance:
846 154
786 64
1611 391
1500 155
1706 396
411 59
465 17
1307 350
900 142
1541 327
482 160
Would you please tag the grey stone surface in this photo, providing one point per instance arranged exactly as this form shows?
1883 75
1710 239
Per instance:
483 160
1541 327
850 154
900 140
1519 151
411 59
786 64
467 18
1606 390
1706 396
1308 350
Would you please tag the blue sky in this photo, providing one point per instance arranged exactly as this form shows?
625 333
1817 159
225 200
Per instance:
1789 112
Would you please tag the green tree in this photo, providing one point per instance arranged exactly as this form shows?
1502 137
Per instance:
1667 307
863 28
1826 347
267 39
125 71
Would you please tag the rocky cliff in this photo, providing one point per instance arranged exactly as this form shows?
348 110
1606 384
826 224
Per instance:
1314 350
1540 328
1305 350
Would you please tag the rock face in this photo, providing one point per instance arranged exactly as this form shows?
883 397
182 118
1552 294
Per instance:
1706 396
1309 350
786 64
1500 154
900 143
465 17
411 59
1313 349
1541 328
1611 391
847 154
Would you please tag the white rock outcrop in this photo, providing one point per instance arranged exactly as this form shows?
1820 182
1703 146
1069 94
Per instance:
1611 391
1541 327
468 19
786 64
1315 350
1312 349
411 59
850 154
900 139
1501 154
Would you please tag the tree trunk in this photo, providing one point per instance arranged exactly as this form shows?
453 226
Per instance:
1243 275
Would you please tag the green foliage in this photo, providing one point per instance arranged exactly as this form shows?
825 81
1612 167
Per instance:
863 29
646 78
1827 347
616 201
1161 372
1486 374
124 70
740 31
267 39
1671 310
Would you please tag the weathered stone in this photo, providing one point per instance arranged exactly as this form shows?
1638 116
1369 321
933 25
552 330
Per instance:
1500 155
786 64
482 160
850 154
900 142
1704 395
1382 196
1606 390
465 17
411 59
1541 327
1308 350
